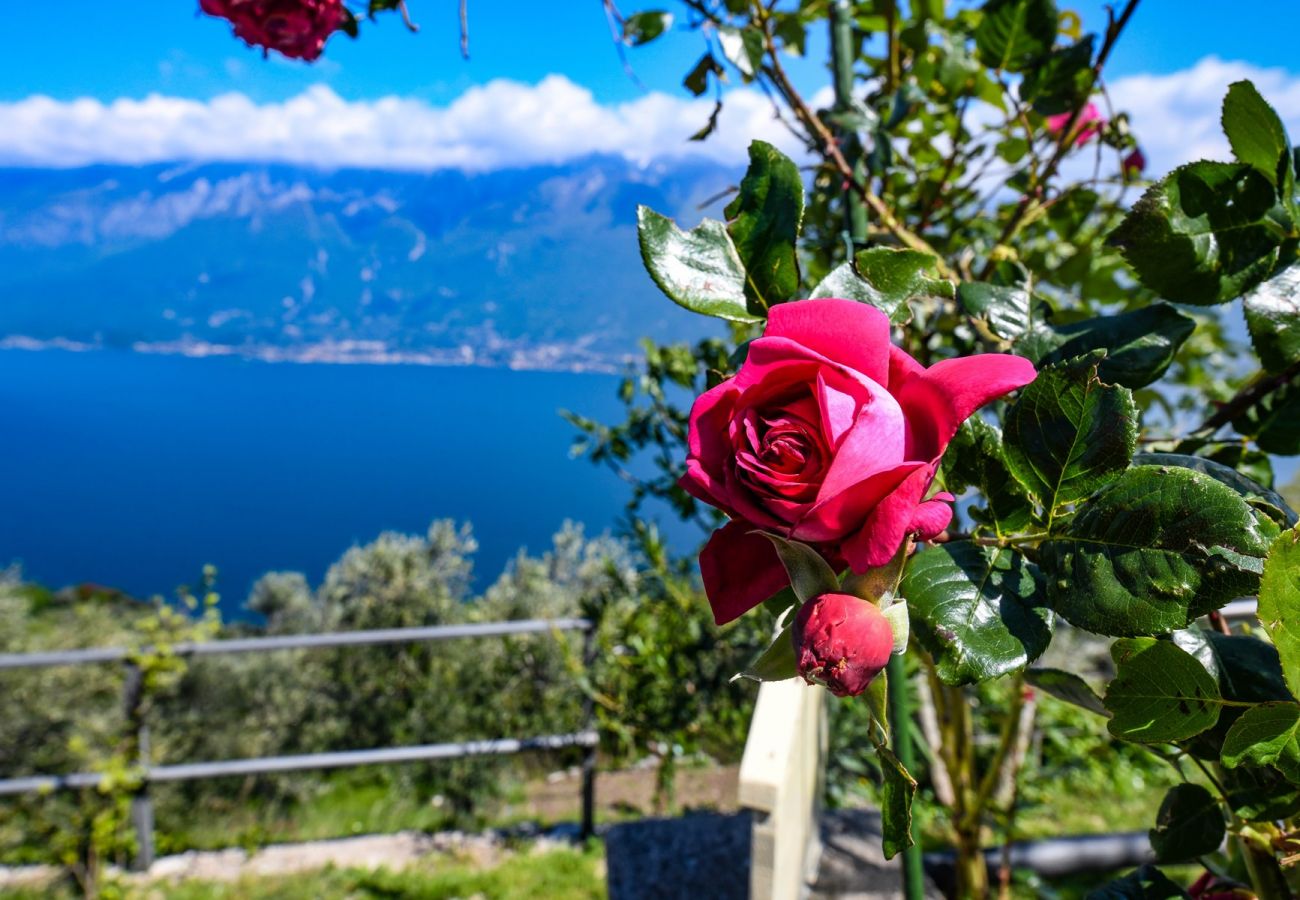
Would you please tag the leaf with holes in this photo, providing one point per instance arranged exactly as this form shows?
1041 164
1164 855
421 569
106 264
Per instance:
1152 550
978 610
1160 693
1068 433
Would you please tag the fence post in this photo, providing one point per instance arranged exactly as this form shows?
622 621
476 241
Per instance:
589 724
141 802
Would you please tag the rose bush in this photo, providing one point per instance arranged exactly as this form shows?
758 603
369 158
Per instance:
830 435
296 28
842 642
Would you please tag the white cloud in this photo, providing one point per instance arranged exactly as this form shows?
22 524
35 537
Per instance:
1176 116
498 125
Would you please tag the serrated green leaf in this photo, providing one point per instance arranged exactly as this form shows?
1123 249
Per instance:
1254 130
1015 34
1189 824
810 574
1068 687
886 279
763 221
1147 883
1273 318
1005 308
1268 501
1061 81
1139 557
978 610
1201 234
1246 669
1160 693
643 27
896 795
1139 345
698 269
1267 735
1279 604
1068 433
743 48
974 458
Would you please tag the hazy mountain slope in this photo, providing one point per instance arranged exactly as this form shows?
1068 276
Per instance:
535 267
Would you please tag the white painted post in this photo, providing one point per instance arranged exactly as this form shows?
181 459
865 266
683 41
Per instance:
782 778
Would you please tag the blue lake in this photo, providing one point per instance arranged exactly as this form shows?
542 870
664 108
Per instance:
135 470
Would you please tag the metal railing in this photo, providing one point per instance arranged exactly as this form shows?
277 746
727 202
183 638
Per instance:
142 807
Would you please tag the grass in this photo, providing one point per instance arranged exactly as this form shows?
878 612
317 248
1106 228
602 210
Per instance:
561 874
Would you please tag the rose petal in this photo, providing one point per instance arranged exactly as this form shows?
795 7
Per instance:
740 570
937 401
833 518
932 516
880 536
901 368
839 409
876 443
845 331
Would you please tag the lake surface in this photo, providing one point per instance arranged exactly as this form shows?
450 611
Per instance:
135 470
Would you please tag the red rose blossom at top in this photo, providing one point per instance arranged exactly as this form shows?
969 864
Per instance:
296 28
828 435
842 642
1085 128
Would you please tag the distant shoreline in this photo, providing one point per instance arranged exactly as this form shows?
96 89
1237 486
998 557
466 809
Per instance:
544 358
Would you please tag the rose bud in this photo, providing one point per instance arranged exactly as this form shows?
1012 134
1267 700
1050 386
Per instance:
842 642
296 28
1134 163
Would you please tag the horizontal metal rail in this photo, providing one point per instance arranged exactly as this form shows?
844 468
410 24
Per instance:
336 760
89 655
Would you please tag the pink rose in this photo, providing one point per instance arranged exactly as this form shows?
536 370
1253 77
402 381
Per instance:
828 435
842 642
296 28
1088 125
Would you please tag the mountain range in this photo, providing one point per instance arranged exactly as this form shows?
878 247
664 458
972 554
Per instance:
527 268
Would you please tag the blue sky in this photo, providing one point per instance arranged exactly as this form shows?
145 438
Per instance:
91 48
88 83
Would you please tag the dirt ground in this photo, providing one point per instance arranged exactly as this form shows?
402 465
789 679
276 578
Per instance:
628 793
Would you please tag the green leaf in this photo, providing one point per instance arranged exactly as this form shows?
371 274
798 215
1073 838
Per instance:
1068 687
977 610
1267 501
1153 550
1139 345
886 279
1004 308
1273 317
1015 34
763 221
810 575
697 79
1246 669
896 614
1254 130
644 27
1061 82
1160 693
1274 421
1201 235
777 662
697 269
1147 883
1279 604
974 458
1267 735
743 48
896 795
1068 433
1189 824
